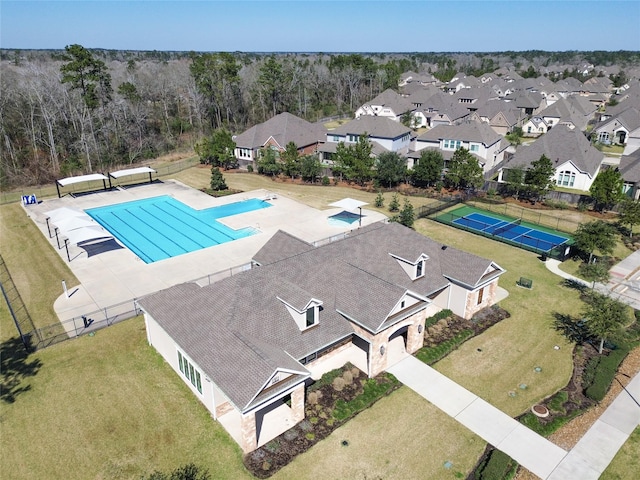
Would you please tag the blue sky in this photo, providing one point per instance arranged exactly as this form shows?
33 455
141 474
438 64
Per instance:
323 26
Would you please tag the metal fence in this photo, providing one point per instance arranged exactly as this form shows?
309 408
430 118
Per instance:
17 308
532 216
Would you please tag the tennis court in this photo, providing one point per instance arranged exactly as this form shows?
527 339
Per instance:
514 231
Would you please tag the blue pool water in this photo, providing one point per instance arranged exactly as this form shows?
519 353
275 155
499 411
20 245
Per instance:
162 227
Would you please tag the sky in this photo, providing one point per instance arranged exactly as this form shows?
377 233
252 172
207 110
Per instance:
323 26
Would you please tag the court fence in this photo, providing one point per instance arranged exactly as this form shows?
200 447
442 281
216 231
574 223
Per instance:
539 246
535 217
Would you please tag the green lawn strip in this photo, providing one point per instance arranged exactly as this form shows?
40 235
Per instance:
34 265
108 406
626 463
431 355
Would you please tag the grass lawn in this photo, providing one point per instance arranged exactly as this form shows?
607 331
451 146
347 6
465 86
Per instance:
316 196
512 349
109 407
402 436
626 463
36 269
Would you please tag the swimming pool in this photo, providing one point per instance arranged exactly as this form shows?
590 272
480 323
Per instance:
163 227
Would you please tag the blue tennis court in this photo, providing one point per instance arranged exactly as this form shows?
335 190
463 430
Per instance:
162 227
512 231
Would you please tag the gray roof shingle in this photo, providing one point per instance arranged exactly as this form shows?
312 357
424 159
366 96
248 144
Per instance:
284 128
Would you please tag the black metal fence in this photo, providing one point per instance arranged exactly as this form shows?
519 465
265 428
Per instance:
17 309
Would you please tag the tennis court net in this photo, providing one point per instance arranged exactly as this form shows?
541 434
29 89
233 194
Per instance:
507 227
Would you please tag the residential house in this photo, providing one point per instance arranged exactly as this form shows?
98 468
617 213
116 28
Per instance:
247 345
630 171
383 133
619 128
389 104
503 117
529 103
477 137
575 160
411 77
276 133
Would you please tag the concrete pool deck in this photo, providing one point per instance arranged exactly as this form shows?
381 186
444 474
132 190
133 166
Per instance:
110 274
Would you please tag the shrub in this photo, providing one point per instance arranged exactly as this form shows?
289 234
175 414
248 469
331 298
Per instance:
338 384
347 377
325 181
250 168
371 392
394 205
379 201
437 317
313 420
355 372
497 466
312 398
430 355
310 436
603 373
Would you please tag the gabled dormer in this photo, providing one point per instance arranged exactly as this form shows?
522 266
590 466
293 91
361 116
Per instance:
306 315
416 268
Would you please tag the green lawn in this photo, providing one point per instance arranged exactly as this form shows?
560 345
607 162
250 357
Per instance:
626 463
34 265
512 349
109 407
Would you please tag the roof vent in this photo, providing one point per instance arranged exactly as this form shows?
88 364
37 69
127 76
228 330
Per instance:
444 247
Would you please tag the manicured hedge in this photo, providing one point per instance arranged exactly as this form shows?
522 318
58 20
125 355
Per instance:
372 391
600 373
498 466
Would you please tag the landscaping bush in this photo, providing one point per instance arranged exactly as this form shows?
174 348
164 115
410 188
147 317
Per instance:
430 355
326 379
556 403
325 181
338 384
372 391
437 317
600 372
547 428
497 466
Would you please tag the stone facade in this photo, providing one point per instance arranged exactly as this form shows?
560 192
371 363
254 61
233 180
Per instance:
223 408
488 298
248 429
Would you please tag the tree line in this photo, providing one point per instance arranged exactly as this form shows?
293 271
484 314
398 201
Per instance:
74 112
82 110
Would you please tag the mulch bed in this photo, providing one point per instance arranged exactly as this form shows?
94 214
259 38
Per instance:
317 425
450 326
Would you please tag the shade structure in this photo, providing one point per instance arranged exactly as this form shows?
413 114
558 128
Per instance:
73 223
63 182
348 204
64 212
131 171
86 234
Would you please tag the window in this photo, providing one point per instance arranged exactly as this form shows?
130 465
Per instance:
474 147
566 178
529 129
336 138
419 267
353 138
402 304
480 295
190 372
452 144
311 316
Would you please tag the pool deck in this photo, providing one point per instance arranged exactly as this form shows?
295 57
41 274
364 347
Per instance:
111 275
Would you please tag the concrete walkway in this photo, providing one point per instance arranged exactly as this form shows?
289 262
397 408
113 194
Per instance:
586 461
624 284
532 451
593 453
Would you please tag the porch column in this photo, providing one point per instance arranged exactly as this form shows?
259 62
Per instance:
248 427
297 403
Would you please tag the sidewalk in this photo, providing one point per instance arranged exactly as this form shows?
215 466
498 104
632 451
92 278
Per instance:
532 451
586 461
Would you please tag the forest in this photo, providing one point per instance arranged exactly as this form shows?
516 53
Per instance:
83 110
